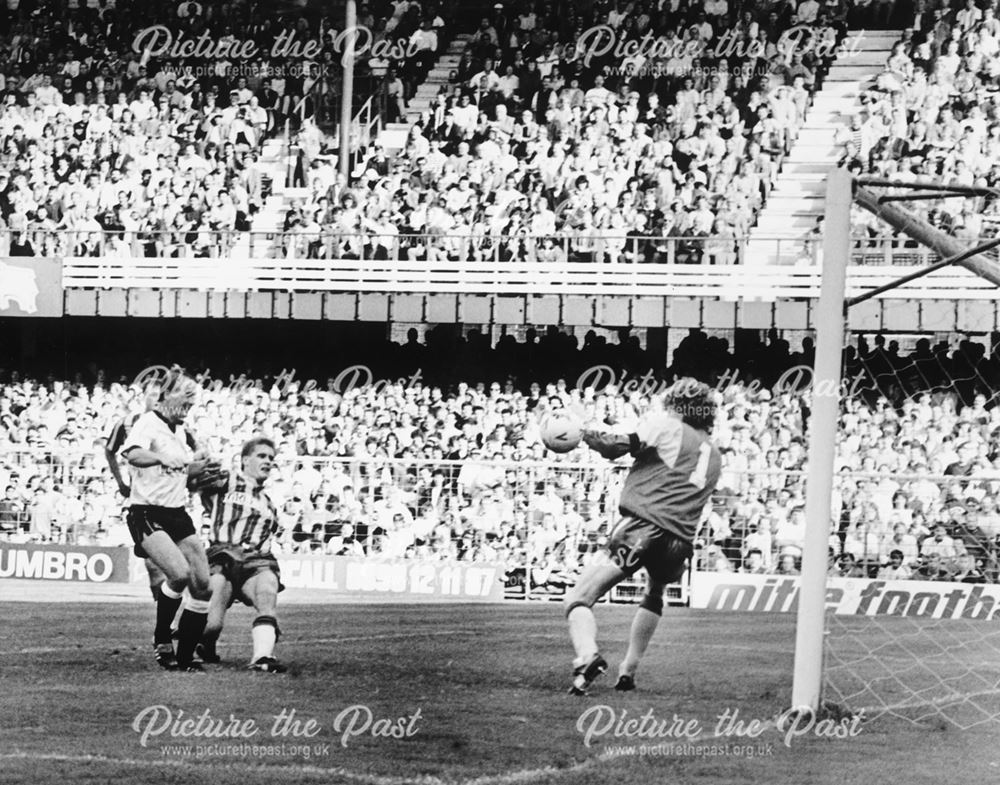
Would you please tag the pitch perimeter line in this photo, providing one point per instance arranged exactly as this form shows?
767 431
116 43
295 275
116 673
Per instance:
306 642
522 777
386 636
404 635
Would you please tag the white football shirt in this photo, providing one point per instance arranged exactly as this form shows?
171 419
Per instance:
158 485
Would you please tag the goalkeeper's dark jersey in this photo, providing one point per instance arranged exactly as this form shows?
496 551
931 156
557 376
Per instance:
243 515
674 474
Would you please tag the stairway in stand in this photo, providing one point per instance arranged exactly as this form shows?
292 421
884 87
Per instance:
796 201
274 161
393 136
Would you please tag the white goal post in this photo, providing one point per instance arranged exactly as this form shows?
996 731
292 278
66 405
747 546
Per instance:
830 325
878 669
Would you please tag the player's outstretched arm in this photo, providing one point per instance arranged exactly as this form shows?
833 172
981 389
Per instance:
595 435
610 445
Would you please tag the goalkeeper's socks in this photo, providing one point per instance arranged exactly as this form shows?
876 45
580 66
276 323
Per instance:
189 630
167 603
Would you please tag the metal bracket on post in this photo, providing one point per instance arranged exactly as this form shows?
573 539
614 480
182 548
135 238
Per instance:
960 257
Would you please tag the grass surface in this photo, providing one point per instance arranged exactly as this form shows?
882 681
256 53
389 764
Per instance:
488 682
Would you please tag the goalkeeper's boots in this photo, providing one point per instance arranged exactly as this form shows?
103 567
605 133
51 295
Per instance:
625 683
207 654
267 665
165 657
584 675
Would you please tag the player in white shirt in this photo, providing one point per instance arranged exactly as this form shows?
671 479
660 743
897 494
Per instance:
160 457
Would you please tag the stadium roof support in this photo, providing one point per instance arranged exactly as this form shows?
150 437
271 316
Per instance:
909 224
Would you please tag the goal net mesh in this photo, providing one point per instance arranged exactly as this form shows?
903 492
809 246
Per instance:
915 516
916 669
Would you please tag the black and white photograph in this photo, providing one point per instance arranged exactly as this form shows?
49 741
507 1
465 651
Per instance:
519 392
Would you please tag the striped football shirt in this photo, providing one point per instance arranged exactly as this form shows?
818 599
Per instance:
244 515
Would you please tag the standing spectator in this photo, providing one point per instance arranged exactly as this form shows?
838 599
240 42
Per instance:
11 510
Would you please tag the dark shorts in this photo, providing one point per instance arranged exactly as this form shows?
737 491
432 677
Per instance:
143 520
238 566
635 544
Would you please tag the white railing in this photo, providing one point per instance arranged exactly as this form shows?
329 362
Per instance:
329 243
726 282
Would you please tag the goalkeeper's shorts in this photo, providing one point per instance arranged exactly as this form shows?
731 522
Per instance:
239 565
635 544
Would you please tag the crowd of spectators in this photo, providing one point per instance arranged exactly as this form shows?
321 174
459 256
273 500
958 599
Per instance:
457 471
933 115
547 143
116 139
547 131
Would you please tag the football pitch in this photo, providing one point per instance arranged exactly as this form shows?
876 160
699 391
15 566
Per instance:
387 694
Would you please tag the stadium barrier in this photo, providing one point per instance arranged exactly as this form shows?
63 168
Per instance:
48 562
725 282
848 596
381 245
479 582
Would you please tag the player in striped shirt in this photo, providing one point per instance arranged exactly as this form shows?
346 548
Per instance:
243 519
675 470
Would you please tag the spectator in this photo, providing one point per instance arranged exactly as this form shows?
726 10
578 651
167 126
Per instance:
895 569
939 544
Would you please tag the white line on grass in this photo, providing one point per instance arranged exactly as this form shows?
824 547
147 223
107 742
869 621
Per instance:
381 637
527 776
523 777
306 642
406 635
304 769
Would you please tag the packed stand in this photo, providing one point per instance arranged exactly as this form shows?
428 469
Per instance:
112 146
933 115
549 145
457 471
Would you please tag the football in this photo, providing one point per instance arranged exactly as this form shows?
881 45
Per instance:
561 433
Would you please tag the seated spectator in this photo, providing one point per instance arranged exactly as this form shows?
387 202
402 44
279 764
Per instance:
754 564
789 537
938 544
849 567
895 569
788 565
900 540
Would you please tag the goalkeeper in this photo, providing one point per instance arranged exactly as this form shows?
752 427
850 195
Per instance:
674 472
243 519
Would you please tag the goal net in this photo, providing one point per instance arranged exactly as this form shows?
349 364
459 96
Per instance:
912 597
914 527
